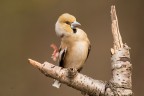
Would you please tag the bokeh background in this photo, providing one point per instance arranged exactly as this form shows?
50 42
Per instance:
27 30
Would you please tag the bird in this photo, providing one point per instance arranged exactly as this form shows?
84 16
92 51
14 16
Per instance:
75 45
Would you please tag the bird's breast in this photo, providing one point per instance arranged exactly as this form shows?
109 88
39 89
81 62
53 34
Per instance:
76 55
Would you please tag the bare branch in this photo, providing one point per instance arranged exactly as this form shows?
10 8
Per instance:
79 81
115 30
121 83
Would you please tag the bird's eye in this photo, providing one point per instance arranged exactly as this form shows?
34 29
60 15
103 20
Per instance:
67 22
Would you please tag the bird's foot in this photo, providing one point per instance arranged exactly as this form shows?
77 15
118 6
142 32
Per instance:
72 72
55 52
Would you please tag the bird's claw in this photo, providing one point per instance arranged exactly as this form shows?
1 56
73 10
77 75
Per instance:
55 53
72 72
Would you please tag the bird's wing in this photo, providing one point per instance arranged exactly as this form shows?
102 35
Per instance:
89 48
62 53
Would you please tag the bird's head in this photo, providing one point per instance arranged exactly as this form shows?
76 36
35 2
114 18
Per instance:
66 24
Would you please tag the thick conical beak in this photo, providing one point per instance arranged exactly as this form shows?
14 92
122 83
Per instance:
75 24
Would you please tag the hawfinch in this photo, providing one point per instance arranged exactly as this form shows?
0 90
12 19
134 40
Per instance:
75 45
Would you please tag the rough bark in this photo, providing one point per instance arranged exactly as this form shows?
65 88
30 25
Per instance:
120 83
79 81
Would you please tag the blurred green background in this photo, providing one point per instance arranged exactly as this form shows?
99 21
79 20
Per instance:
27 30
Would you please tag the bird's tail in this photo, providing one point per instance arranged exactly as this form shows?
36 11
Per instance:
56 84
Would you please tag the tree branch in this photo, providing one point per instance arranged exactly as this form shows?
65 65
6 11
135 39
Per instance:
120 83
79 81
115 30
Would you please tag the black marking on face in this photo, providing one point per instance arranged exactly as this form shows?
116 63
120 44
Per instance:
74 30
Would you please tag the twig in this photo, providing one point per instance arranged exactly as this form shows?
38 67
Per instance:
115 30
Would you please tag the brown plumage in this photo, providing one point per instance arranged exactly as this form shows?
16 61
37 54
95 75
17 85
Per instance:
75 45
